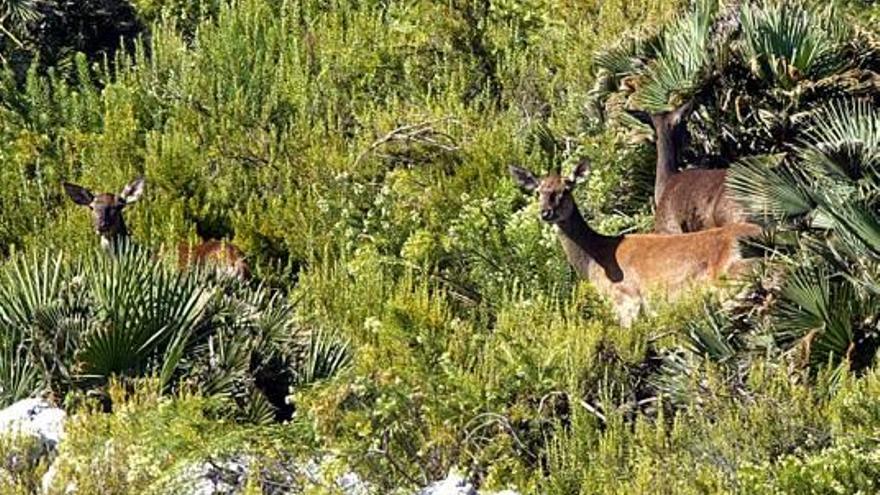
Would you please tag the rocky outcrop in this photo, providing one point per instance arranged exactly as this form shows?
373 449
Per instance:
37 427
451 485
455 484
230 476
36 418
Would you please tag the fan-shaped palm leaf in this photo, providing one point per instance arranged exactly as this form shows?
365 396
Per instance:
843 140
785 42
683 56
768 188
327 355
142 308
15 16
27 286
19 376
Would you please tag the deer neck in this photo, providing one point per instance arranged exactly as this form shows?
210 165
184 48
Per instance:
584 246
111 241
667 157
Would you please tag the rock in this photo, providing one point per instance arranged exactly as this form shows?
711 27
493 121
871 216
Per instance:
229 476
352 484
39 427
37 418
453 484
348 483
213 477
48 481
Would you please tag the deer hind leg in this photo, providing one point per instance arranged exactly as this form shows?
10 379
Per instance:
627 308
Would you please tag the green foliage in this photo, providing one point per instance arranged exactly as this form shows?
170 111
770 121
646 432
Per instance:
22 465
757 71
682 57
420 317
784 43
828 191
151 443
74 324
53 31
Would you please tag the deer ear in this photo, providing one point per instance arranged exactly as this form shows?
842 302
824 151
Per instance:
78 194
580 173
682 112
133 191
523 178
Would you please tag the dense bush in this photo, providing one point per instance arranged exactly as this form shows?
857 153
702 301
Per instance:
408 304
72 325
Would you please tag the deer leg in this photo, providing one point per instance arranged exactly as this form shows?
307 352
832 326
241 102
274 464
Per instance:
627 308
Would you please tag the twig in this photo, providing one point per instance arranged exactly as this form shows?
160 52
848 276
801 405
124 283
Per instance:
593 410
422 132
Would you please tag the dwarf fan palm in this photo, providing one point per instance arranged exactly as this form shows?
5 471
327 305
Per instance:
784 43
76 323
756 71
142 311
683 58
829 191
14 16
41 317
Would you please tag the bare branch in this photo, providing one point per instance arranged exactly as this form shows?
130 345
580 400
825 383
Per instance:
420 133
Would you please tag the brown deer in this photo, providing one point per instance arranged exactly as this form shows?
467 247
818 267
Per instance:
109 222
689 200
628 268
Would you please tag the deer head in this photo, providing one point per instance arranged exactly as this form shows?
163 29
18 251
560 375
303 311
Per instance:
107 208
671 138
553 190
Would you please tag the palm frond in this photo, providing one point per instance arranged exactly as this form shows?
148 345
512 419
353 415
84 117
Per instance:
19 376
705 337
785 42
141 308
768 189
257 409
27 286
327 355
843 140
683 57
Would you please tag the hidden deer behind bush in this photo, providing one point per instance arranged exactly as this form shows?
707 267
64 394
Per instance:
628 268
109 221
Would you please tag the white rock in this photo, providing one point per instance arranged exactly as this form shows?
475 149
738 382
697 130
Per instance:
352 484
454 484
48 481
35 417
210 478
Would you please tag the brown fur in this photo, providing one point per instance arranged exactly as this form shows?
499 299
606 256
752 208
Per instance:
219 254
694 200
627 268
689 200
109 223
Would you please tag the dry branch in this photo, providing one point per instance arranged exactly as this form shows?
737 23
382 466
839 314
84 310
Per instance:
420 133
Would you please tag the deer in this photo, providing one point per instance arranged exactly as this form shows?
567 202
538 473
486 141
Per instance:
627 268
109 223
687 200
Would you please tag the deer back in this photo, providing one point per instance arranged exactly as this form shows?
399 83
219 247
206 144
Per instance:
674 261
220 255
695 200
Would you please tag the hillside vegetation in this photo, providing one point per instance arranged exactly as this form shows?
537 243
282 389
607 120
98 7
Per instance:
410 314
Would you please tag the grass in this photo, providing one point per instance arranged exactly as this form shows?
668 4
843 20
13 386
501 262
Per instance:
357 152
